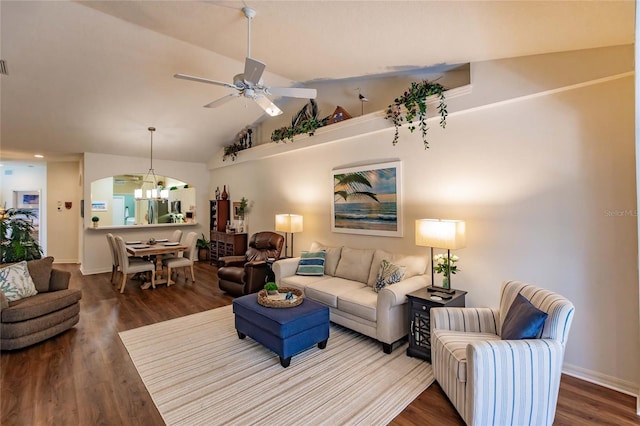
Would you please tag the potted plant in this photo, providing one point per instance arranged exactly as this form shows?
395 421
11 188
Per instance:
414 101
95 221
271 288
203 248
17 240
242 208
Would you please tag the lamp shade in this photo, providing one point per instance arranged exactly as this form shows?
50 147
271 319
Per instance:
447 234
289 223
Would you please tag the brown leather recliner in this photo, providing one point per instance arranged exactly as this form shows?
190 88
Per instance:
240 275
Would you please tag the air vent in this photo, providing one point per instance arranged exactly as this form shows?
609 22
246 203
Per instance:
3 67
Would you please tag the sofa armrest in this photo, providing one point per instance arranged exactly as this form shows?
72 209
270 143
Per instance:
285 268
396 294
59 280
231 261
477 320
392 307
494 366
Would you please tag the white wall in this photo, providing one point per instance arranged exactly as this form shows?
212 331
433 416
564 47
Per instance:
538 160
95 254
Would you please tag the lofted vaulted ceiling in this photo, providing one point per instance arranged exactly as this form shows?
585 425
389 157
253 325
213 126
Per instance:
92 76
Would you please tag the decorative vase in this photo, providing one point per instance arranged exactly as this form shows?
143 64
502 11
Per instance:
445 282
224 195
95 224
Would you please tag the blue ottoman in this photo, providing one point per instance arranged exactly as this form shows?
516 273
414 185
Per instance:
285 331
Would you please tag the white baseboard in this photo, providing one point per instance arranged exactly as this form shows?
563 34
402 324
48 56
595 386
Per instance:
74 261
94 271
601 379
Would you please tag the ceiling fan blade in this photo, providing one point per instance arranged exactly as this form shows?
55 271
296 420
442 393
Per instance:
293 92
268 106
222 100
204 80
253 70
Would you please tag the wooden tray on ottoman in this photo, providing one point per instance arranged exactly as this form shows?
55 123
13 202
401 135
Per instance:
265 300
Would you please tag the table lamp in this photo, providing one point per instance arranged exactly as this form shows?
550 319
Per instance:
289 224
446 234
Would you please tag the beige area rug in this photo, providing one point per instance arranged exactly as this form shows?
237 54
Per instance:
198 371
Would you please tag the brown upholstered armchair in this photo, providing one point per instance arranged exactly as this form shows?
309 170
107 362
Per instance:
240 275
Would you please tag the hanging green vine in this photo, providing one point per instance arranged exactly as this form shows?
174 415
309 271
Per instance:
414 101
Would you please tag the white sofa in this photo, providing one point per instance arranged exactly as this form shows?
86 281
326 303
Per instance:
347 288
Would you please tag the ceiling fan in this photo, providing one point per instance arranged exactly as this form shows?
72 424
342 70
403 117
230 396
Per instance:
249 84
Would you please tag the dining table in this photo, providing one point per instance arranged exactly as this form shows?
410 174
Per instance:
157 249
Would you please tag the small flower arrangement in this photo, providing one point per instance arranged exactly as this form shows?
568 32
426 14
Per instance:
441 266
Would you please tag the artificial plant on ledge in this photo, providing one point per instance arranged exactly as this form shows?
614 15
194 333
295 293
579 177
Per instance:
414 101
305 121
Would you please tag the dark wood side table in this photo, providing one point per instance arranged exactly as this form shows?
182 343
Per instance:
420 304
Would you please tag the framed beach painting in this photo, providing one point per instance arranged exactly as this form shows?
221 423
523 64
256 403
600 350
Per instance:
367 200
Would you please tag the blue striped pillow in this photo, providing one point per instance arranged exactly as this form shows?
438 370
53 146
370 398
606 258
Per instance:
311 263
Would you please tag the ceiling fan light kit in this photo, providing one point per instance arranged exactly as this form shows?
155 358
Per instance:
249 84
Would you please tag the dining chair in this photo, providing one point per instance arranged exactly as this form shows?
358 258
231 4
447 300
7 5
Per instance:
176 237
187 260
115 263
132 265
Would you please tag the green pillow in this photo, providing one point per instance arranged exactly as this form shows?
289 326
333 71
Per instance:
311 263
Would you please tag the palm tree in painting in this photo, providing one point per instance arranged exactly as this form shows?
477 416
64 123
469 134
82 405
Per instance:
354 185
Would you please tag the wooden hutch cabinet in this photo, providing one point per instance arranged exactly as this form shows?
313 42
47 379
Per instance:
220 213
223 244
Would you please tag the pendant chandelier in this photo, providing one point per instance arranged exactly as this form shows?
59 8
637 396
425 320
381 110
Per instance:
150 181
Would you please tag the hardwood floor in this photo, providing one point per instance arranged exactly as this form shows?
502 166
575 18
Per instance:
85 376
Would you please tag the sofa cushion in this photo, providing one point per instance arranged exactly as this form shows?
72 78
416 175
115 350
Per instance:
389 273
311 263
331 259
40 271
452 348
523 320
16 283
415 264
355 264
301 282
361 302
43 303
327 291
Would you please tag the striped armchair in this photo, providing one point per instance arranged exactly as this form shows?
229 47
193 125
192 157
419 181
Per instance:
492 381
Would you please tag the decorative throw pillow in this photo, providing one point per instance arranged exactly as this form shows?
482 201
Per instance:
388 274
16 283
523 320
40 273
311 263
